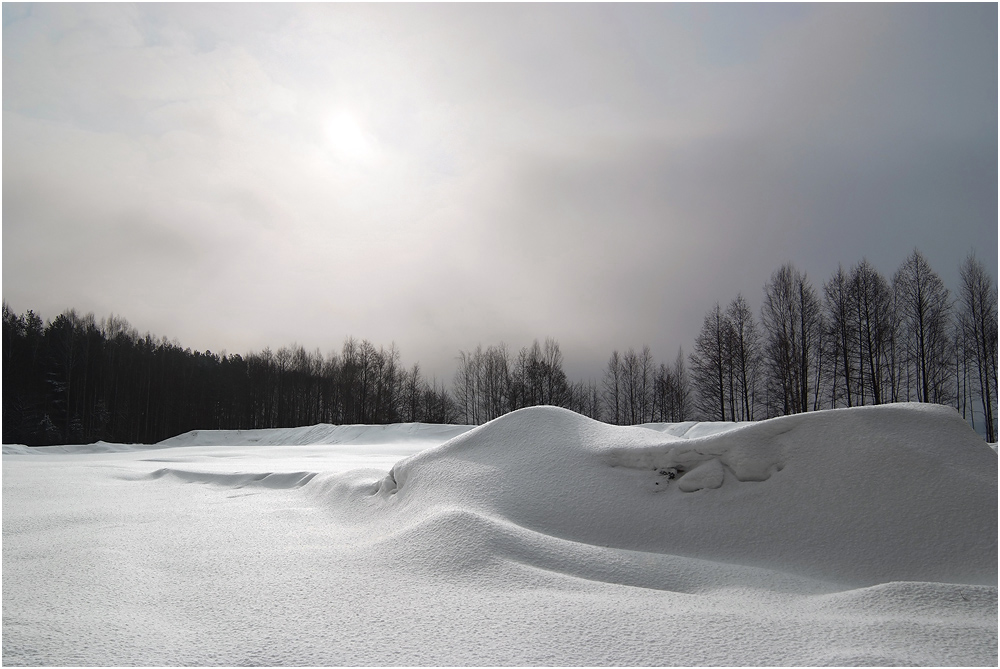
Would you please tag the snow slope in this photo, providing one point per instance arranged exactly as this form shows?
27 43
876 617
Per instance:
418 433
862 536
856 497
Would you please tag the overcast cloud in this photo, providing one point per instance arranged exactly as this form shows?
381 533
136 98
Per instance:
241 176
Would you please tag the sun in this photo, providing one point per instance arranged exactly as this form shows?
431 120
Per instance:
348 140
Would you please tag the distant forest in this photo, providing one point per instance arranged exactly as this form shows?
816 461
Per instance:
859 339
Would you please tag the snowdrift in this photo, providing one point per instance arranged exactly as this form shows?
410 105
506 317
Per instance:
851 537
75 449
854 496
323 434
320 434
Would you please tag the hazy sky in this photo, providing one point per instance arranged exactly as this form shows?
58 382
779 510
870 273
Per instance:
239 176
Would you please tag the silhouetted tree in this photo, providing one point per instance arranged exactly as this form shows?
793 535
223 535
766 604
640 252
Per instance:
875 326
792 323
670 391
613 385
924 312
555 389
842 337
710 365
637 386
978 300
744 366
585 399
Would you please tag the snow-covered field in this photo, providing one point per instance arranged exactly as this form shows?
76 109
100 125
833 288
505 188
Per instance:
861 536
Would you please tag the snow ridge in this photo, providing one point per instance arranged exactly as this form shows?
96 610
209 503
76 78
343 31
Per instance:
277 480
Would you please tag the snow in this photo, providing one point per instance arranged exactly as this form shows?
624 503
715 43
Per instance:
863 536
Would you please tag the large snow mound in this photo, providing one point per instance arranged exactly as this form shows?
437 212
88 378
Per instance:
855 496
853 537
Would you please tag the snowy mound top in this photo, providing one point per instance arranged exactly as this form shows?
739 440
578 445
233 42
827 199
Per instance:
858 496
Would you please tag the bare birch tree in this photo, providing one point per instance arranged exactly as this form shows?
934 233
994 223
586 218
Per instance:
924 311
710 365
872 303
744 359
978 299
842 337
613 389
792 321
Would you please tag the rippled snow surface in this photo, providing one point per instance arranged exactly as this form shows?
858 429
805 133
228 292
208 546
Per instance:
851 537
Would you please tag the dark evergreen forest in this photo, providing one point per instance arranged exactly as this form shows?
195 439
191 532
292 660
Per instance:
76 380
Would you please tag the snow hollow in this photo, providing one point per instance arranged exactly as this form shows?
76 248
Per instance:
863 536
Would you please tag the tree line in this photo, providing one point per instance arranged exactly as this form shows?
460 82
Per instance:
489 383
493 381
860 339
863 340
76 380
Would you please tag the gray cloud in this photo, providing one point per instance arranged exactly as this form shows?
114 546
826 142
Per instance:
598 173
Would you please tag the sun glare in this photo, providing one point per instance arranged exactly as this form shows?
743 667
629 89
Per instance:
348 140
